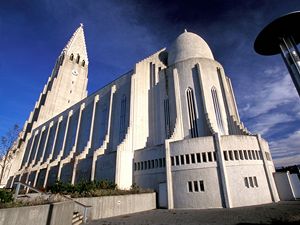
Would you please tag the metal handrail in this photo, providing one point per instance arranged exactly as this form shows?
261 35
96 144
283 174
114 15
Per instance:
86 207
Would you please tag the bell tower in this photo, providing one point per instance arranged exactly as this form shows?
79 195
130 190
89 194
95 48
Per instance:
67 84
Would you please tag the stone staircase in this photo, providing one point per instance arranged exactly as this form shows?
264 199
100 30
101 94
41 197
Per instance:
77 218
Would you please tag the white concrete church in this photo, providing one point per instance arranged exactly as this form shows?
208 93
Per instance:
170 124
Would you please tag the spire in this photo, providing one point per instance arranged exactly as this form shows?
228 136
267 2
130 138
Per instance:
76 44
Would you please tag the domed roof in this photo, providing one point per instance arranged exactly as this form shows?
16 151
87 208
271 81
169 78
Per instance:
188 45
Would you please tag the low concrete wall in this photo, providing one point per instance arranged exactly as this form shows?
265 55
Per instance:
109 206
50 214
283 185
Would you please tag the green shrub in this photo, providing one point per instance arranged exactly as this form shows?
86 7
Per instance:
6 196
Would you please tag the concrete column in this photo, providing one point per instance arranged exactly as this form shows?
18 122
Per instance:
82 106
106 141
169 176
269 175
32 144
222 170
38 146
64 143
46 142
50 155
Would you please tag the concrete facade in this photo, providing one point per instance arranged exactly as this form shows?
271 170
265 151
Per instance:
170 122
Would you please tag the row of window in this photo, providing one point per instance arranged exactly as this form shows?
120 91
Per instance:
150 164
77 59
241 155
250 182
195 186
193 158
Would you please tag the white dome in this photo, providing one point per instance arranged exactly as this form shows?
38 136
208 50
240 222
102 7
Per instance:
188 45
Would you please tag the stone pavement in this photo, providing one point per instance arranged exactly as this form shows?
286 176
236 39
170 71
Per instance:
282 213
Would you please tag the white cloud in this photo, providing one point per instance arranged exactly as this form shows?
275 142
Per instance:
286 151
265 122
279 90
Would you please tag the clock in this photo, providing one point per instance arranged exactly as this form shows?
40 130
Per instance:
74 72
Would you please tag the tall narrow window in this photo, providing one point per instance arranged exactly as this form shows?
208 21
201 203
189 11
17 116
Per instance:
152 74
217 110
192 113
83 63
71 57
122 118
77 59
167 117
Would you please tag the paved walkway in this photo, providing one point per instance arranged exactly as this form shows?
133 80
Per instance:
283 213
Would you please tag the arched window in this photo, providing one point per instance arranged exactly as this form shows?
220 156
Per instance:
71 57
217 109
83 63
192 112
122 118
78 58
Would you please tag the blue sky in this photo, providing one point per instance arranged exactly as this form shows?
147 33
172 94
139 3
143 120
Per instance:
121 32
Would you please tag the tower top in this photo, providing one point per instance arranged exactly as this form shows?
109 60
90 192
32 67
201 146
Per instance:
76 45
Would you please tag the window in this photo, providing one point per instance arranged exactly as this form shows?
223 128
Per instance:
149 164
257 155
241 154
253 154
193 158
71 57
172 161
156 163
255 182
187 159
192 112
77 59
215 156
160 162
246 182
201 185
190 186
145 165
245 155
249 154
217 110
230 155
209 155
196 187
122 118
135 167
142 165
225 155
177 160
204 157
236 155
198 158
167 117
83 63
251 181
139 167
182 159
152 74
164 162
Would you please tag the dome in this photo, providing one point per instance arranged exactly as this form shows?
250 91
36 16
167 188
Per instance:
188 45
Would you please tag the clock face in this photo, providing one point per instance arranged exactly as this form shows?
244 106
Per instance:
74 72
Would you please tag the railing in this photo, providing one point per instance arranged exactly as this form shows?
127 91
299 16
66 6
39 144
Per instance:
85 207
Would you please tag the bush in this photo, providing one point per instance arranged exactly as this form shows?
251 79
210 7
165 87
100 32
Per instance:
93 189
6 196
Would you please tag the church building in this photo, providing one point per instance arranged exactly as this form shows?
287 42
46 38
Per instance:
170 124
